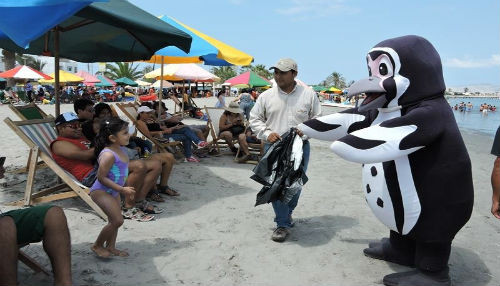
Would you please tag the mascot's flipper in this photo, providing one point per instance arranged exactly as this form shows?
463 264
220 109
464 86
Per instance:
331 127
391 139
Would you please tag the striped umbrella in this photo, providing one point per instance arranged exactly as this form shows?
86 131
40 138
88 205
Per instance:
24 72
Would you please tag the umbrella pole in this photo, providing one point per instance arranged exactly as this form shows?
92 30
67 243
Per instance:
160 94
56 70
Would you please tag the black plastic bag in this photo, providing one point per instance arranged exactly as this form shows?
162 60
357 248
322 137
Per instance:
276 171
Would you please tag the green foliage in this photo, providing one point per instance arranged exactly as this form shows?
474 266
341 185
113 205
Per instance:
224 73
335 79
258 69
30 61
121 69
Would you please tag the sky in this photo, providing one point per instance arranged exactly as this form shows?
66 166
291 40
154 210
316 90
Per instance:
326 36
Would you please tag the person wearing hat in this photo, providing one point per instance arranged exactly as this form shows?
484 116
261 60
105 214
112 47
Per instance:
231 124
72 151
278 109
147 124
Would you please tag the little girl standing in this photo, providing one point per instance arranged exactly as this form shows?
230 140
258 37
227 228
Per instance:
111 176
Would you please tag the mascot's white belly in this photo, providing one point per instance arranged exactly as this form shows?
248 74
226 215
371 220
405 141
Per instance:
377 195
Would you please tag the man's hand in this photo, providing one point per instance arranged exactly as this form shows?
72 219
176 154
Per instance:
495 207
299 132
273 137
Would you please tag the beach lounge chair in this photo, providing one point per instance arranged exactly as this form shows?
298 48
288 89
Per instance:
162 145
28 112
38 134
30 262
214 114
179 105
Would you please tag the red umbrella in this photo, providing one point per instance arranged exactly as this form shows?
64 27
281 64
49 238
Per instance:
24 72
87 77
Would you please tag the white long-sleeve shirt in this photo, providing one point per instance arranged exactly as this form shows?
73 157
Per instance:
277 111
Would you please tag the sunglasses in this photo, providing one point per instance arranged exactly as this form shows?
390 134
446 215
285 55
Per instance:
73 125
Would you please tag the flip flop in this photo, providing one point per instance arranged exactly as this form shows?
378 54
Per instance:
168 191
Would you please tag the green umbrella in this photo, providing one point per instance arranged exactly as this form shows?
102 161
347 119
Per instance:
319 88
248 79
125 81
104 81
104 32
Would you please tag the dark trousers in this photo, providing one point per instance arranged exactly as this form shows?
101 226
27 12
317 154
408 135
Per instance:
429 256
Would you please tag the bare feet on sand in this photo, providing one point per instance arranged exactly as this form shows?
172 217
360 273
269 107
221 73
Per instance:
101 251
117 252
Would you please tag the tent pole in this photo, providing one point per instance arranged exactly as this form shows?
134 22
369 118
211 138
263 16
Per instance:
56 70
160 94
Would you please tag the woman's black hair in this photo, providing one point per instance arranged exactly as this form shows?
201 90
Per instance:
98 108
156 103
108 127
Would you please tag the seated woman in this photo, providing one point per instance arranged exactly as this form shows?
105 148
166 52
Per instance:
173 120
146 121
231 124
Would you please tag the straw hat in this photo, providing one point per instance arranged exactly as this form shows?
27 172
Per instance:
233 107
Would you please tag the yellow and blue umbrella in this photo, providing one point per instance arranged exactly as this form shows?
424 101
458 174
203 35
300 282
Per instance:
204 49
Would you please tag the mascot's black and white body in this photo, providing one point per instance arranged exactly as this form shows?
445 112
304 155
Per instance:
416 170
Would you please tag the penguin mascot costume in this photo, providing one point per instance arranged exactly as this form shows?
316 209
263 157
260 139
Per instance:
416 170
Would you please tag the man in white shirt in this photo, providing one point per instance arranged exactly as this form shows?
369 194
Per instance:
278 109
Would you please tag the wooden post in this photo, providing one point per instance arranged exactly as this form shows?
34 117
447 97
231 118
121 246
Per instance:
56 70
34 151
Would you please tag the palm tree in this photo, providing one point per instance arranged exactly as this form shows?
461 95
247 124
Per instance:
262 71
224 73
30 61
9 61
121 69
336 79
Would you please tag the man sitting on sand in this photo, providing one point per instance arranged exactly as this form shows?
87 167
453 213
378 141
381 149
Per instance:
41 223
73 153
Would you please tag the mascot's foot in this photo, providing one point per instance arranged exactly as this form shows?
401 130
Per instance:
418 278
384 251
378 242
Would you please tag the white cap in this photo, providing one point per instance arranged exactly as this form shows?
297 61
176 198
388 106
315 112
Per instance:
285 65
144 109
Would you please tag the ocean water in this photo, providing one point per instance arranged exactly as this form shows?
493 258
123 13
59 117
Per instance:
475 120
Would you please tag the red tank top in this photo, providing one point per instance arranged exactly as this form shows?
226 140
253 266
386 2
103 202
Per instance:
77 168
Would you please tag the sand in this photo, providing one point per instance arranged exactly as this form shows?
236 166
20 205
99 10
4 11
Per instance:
213 235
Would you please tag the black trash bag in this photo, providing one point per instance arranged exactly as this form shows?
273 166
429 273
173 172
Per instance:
275 171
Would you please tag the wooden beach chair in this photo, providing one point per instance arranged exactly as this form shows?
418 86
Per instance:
30 262
38 134
253 148
161 144
28 112
179 105
214 114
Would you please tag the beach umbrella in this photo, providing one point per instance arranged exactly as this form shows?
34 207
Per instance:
318 88
63 77
24 72
165 84
189 72
204 49
102 31
248 79
105 82
125 81
143 83
87 77
332 90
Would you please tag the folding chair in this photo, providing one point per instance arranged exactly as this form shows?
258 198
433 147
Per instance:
30 262
179 105
214 114
130 110
29 111
38 134
253 148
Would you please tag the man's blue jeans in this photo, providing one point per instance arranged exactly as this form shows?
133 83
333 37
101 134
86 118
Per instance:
283 211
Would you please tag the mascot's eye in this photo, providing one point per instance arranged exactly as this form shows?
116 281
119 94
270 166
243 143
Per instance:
382 69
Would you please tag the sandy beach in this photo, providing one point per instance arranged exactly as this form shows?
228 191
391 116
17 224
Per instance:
213 235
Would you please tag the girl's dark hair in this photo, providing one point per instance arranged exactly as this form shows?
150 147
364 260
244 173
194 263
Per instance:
98 108
108 127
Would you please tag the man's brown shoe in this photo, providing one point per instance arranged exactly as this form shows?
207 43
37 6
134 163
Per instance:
280 234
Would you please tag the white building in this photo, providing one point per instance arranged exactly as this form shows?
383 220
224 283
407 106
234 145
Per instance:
64 64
